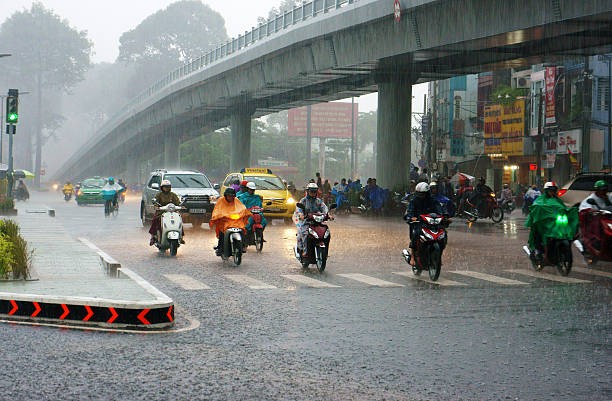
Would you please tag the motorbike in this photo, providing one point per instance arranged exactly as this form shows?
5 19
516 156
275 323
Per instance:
557 247
507 206
490 209
233 240
171 228
595 235
20 194
67 194
255 235
317 240
429 245
110 204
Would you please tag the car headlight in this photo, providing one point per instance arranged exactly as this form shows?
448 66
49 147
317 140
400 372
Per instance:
290 201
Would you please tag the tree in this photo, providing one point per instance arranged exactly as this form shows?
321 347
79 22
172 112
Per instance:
183 31
47 56
286 5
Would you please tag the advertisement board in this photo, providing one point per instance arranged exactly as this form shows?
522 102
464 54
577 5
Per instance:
492 129
327 120
513 126
550 75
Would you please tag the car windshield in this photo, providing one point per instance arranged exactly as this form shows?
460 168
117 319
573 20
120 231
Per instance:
93 183
188 180
263 182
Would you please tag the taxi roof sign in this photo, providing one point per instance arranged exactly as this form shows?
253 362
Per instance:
258 170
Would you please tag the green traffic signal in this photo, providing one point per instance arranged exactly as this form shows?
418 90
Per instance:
12 103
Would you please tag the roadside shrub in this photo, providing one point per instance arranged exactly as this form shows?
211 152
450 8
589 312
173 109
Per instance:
6 256
7 204
20 257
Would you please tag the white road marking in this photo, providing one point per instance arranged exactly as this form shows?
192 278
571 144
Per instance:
425 277
252 283
592 272
309 282
370 280
548 276
489 277
187 282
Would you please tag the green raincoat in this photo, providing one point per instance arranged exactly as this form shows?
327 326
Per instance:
552 219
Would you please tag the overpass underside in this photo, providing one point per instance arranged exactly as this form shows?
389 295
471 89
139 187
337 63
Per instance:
354 51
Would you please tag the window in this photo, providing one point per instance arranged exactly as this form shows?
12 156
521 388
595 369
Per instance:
603 94
156 179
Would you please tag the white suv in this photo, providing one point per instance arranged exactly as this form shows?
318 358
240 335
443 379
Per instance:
194 189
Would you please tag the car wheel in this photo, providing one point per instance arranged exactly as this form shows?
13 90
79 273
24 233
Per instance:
143 214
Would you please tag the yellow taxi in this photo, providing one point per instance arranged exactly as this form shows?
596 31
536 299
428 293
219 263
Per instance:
271 187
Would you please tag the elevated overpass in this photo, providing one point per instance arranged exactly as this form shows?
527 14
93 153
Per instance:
334 49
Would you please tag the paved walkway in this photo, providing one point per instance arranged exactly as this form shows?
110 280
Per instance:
73 281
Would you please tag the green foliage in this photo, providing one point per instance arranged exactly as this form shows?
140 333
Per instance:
7 204
504 94
183 31
17 256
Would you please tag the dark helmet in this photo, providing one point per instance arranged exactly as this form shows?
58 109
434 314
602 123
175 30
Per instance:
229 191
482 179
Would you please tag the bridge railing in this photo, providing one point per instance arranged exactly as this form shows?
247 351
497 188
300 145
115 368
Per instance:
273 25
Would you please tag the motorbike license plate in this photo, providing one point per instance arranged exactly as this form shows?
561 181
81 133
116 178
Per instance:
197 211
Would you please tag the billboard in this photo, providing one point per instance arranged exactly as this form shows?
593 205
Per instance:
550 75
504 127
327 120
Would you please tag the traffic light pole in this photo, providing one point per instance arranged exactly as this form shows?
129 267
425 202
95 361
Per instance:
10 130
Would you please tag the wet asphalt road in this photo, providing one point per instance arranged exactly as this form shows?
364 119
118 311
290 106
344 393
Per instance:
396 339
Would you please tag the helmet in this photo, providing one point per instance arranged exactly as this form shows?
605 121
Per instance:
505 185
312 187
433 184
600 185
111 180
165 183
229 191
250 185
550 185
243 183
422 187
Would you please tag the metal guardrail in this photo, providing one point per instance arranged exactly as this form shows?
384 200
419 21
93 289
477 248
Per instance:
273 25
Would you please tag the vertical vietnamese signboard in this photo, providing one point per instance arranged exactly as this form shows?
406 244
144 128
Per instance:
492 129
513 126
550 75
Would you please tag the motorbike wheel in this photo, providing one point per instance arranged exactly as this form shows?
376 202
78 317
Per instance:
321 254
472 216
107 207
564 259
435 262
497 214
258 239
173 247
237 252
115 210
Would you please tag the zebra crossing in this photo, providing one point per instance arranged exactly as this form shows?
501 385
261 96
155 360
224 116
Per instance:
454 278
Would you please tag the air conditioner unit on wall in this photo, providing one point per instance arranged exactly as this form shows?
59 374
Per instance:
523 82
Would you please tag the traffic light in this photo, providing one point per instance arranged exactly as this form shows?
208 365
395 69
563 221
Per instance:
12 102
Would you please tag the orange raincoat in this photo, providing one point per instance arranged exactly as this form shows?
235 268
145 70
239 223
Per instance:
221 215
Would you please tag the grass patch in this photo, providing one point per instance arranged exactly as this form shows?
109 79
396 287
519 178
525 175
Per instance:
15 257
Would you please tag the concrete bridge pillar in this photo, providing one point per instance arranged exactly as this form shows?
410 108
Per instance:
241 140
171 151
394 130
131 169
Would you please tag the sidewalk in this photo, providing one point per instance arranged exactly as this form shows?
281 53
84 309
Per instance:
74 282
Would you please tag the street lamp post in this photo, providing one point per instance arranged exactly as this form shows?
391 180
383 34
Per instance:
608 60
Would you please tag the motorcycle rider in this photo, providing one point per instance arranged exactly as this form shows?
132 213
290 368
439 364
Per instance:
505 195
480 193
422 203
111 186
448 207
250 199
163 197
225 207
68 188
541 213
600 197
312 204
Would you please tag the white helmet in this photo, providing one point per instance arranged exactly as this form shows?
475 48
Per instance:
550 185
312 186
422 187
251 185
433 184
165 183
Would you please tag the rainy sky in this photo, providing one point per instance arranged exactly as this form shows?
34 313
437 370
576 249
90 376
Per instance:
106 20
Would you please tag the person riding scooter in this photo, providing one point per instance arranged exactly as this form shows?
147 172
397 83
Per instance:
68 190
543 216
422 203
250 199
595 229
225 207
599 199
163 197
311 204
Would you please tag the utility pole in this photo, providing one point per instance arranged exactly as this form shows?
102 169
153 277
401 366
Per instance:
586 117
434 129
308 142
539 141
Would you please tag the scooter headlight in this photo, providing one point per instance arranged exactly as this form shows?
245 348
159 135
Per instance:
318 218
171 207
234 216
